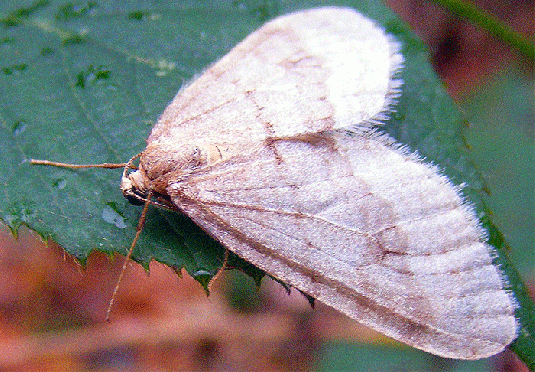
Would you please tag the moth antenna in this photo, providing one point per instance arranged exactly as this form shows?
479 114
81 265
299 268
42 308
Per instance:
139 229
130 165
141 222
79 166
219 272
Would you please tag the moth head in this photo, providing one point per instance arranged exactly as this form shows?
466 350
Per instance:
138 188
134 188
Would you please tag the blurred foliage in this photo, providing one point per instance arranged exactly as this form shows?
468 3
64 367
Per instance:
85 81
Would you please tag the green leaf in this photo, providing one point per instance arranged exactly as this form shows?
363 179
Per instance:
502 123
84 81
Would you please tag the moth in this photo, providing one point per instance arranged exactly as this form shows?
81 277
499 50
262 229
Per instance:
273 152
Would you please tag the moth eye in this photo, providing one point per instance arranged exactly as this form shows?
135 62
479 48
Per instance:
134 196
134 199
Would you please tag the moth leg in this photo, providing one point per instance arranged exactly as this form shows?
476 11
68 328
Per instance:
220 271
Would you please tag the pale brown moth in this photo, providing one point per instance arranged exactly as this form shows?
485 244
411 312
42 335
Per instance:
272 152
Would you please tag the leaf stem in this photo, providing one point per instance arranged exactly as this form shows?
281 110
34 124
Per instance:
490 23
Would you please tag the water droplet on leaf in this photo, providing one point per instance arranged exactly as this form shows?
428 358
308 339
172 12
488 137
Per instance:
59 183
18 128
203 277
110 215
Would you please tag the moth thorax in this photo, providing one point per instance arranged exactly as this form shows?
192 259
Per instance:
162 160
